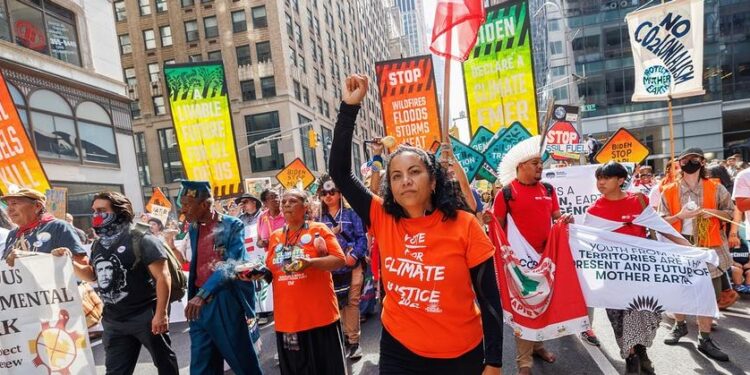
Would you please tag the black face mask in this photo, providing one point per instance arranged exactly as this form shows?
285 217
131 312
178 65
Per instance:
691 167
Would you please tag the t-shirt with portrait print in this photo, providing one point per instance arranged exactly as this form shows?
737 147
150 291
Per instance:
302 300
429 303
125 289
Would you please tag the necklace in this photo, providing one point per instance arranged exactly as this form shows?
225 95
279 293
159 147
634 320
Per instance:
290 240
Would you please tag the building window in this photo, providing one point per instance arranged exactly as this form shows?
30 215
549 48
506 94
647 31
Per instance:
169 62
554 25
248 90
260 19
135 109
292 56
326 109
308 154
125 46
171 162
187 3
153 72
298 33
357 156
243 55
96 134
306 96
159 108
214 56
120 13
191 31
267 87
130 78
239 23
195 58
326 136
144 174
556 48
560 93
145 6
263 51
161 6
320 105
260 126
166 35
210 27
297 90
149 39
289 27
302 63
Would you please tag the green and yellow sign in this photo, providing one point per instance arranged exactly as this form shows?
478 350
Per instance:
499 74
203 123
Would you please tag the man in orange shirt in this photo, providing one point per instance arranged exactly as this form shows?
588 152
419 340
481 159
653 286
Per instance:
532 206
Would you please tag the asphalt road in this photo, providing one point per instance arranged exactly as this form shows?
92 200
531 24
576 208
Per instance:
574 356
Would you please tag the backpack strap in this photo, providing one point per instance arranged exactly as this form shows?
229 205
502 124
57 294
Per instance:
549 188
136 236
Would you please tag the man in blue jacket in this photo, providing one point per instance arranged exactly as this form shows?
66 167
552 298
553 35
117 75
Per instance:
219 304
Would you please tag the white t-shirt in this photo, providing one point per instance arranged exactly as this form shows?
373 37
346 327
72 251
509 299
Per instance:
742 190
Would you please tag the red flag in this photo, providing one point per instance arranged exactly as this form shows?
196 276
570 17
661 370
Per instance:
454 32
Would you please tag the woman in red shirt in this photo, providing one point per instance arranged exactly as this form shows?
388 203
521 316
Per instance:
634 330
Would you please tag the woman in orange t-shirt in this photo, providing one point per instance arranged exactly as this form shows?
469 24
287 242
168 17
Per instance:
301 256
436 261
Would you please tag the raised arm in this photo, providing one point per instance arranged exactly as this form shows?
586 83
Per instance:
340 164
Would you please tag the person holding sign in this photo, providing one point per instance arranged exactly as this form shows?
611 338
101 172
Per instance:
695 206
218 304
531 206
441 294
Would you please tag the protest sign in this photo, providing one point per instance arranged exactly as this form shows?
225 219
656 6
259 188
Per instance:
621 147
295 173
479 142
255 186
562 140
202 120
161 213
57 202
618 271
667 44
469 159
158 198
19 163
43 326
503 142
408 98
499 74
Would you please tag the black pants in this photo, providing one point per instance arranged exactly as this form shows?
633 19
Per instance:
396 359
312 352
122 340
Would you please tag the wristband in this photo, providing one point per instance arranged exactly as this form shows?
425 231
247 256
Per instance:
202 293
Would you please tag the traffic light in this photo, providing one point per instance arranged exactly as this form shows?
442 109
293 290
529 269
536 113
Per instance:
312 138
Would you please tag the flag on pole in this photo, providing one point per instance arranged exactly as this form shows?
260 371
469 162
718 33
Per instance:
455 29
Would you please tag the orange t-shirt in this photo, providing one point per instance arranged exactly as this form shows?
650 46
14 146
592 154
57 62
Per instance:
302 300
429 304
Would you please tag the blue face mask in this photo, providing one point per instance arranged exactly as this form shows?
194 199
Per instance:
103 219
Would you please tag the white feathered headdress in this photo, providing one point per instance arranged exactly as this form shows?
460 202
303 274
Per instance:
523 151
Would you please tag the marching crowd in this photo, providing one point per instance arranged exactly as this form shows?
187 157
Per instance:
411 235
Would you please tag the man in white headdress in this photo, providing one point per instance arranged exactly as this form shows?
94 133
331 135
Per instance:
531 206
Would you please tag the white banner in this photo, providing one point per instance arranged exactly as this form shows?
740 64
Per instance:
667 44
626 272
42 326
576 187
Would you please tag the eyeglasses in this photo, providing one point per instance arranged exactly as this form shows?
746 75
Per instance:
329 192
647 175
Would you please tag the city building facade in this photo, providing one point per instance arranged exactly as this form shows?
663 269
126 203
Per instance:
60 59
412 25
285 62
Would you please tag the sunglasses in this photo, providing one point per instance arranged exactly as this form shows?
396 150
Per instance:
328 192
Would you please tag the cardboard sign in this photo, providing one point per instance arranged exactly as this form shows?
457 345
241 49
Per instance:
408 97
563 141
19 164
500 146
470 160
622 147
158 198
160 212
295 173
255 186
57 202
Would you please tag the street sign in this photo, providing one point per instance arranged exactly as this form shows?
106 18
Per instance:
470 160
294 173
622 147
563 141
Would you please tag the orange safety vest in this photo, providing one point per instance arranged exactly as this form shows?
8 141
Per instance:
672 197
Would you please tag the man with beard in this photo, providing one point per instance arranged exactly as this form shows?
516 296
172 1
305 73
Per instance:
691 205
218 304
531 206
130 268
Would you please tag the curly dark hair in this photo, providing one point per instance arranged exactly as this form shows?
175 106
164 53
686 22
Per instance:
120 204
447 196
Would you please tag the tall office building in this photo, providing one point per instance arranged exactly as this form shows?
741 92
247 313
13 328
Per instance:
718 122
285 62
60 60
412 23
